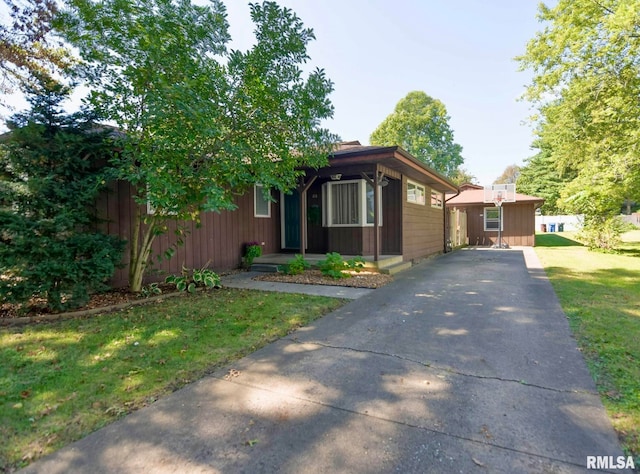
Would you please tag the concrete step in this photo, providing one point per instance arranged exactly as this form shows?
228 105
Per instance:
386 262
396 268
265 267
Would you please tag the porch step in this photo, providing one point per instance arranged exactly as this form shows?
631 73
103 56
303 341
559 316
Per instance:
396 268
385 262
265 268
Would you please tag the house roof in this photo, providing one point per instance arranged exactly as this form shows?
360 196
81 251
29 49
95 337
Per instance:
353 155
470 196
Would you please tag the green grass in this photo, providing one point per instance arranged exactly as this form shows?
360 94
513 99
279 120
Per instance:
600 293
60 381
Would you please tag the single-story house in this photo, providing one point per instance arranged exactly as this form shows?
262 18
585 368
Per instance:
518 218
369 201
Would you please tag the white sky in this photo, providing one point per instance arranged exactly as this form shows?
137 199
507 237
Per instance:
458 51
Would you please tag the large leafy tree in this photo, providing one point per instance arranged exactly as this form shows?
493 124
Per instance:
586 85
202 122
52 165
420 125
462 176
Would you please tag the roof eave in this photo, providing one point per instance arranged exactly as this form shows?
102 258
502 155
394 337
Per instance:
343 157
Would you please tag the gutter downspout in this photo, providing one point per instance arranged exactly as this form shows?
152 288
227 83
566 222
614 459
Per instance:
445 219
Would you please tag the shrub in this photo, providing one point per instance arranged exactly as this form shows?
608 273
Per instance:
63 269
334 265
190 280
297 265
252 250
356 264
603 233
152 289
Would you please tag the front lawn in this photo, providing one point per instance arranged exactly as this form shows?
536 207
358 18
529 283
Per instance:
60 381
600 293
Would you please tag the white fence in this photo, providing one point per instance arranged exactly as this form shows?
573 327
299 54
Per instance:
552 223
632 218
574 223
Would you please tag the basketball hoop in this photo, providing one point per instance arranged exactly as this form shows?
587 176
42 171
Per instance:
498 194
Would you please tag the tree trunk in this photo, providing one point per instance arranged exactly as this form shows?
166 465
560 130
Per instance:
140 250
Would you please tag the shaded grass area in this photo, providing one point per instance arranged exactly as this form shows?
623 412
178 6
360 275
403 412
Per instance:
631 243
600 293
60 381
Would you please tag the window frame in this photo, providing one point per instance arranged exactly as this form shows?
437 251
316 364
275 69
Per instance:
436 199
258 190
499 227
327 203
417 186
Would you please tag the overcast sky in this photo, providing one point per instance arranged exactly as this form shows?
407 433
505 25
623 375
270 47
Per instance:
458 51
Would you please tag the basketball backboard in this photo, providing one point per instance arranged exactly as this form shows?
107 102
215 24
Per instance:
500 193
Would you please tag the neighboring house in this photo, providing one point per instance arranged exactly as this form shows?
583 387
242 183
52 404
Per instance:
518 218
368 201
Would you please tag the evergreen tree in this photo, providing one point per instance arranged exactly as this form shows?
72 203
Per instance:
540 177
52 169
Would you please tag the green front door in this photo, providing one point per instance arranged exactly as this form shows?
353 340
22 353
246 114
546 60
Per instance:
292 221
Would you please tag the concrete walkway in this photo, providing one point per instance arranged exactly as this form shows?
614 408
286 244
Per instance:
464 363
245 280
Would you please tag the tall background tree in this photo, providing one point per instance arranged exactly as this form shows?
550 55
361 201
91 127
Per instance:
509 175
420 125
586 86
540 176
53 169
28 48
202 122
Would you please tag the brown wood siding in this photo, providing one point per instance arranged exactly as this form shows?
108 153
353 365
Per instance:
518 225
368 238
217 243
423 228
345 240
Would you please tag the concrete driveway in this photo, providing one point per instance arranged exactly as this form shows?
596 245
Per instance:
465 363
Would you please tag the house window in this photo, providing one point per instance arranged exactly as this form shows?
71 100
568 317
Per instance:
349 204
415 193
262 203
370 204
492 219
436 199
345 203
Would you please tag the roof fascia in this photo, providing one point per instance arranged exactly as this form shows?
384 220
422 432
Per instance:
372 154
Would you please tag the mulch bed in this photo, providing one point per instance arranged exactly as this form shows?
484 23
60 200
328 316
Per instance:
114 299
364 279
36 308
